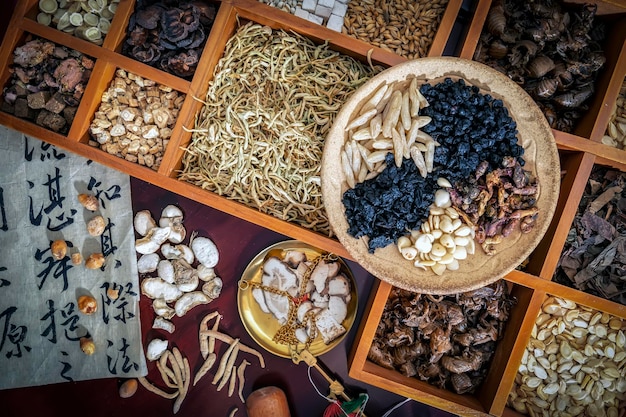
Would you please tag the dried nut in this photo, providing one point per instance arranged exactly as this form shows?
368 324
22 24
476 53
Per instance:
87 346
128 388
90 202
77 258
94 261
58 249
96 226
112 293
87 304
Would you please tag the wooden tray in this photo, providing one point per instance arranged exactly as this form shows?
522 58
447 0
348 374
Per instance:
578 153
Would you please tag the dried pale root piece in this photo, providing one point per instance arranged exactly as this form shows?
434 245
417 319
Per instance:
207 345
227 339
242 379
225 359
185 382
232 357
158 391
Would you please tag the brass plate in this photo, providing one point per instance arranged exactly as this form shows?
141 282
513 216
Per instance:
263 326
478 270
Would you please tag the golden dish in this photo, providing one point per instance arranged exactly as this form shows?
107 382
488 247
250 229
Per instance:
478 270
263 326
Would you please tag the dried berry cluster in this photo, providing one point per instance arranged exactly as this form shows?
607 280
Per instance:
169 35
388 205
447 341
47 84
471 127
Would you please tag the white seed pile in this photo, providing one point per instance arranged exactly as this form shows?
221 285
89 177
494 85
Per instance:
574 364
442 241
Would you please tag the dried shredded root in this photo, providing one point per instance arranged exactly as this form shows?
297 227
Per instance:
260 135
155 390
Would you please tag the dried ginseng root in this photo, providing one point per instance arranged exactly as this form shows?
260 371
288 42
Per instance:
594 257
446 340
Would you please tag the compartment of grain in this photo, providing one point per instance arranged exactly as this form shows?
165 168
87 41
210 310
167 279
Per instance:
46 83
409 29
574 362
593 259
427 331
135 118
569 83
259 133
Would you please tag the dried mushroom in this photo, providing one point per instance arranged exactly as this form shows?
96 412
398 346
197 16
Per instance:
46 84
169 36
447 341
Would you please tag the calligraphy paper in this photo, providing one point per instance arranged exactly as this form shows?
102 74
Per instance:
40 323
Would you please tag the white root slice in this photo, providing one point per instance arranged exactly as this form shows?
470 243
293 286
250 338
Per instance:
160 307
157 288
143 222
224 361
339 286
257 294
147 263
163 324
190 300
328 327
155 349
166 270
337 306
205 250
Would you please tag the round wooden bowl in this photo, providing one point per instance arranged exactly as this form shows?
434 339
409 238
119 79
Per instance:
479 269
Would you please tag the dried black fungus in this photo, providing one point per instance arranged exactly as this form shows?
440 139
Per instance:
470 126
390 204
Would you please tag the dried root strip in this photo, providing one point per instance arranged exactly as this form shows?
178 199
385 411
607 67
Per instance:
242 379
404 27
184 386
227 339
156 390
223 368
260 135
207 344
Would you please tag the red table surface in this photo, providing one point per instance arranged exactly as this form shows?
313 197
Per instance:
238 242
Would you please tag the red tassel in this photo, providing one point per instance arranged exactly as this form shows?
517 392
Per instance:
333 410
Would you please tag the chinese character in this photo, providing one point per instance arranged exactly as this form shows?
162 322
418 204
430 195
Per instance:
3 215
47 151
14 334
112 361
4 282
55 201
111 193
106 240
66 368
60 267
70 322
118 303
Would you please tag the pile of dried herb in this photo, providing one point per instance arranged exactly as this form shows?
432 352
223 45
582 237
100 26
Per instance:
594 257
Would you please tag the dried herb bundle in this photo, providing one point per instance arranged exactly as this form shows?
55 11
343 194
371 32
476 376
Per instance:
447 341
594 257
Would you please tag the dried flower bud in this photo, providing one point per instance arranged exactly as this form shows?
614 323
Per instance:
95 226
58 249
94 261
90 202
87 346
87 304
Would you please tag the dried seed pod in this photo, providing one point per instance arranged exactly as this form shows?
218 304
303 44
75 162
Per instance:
58 249
94 261
90 202
96 226
87 304
87 346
